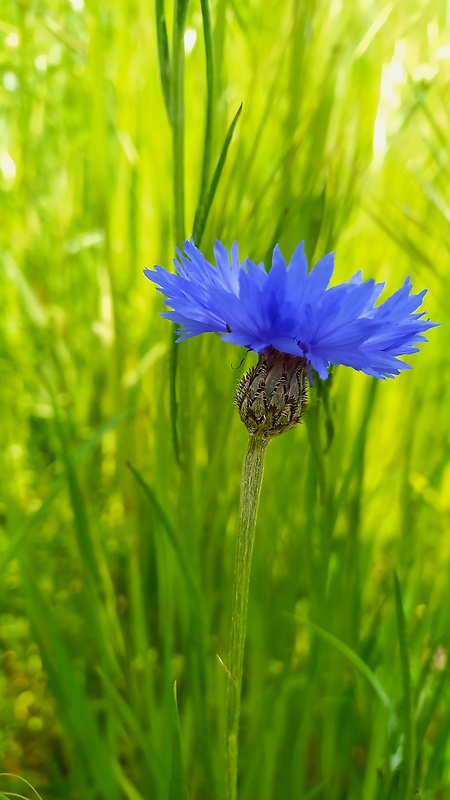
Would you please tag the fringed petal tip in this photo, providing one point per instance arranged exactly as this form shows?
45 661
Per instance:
287 305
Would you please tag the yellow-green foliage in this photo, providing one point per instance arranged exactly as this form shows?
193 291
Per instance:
116 582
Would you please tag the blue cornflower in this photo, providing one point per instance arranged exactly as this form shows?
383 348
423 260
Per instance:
293 310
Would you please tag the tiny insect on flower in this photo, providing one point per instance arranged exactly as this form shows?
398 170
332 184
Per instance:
292 310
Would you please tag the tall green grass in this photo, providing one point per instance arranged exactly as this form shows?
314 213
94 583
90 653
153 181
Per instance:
121 455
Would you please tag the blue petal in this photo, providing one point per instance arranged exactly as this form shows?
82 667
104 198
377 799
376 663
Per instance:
292 310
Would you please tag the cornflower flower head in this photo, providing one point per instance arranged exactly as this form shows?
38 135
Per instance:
293 320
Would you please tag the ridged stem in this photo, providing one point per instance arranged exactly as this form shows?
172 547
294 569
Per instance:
252 475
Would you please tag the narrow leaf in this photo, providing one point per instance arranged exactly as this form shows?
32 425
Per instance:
351 656
178 788
202 214
23 780
76 456
163 55
171 535
407 716
79 511
75 707
428 712
128 717
173 370
209 117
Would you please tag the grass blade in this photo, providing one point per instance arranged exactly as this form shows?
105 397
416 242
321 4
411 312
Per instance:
177 117
80 517
173 398
125 712
171 535
203 212
19 778
426 718
352 657
163 55
178 788
74 705
407 716
76 456
209 118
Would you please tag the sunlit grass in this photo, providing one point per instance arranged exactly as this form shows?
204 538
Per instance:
115 557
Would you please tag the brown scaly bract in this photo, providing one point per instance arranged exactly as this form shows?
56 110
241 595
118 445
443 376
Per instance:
271 397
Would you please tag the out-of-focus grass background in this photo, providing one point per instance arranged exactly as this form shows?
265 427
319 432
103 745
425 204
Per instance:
111 588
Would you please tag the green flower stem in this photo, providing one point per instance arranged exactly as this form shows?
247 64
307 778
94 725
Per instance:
252 475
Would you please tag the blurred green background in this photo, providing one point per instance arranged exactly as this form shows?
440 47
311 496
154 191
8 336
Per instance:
114 583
